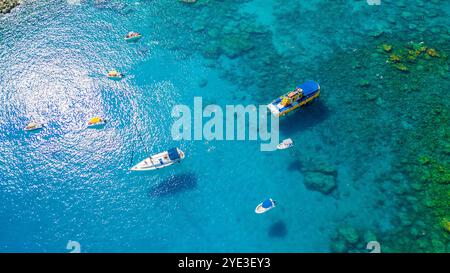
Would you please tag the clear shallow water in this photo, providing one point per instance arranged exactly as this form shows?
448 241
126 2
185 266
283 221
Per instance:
69 183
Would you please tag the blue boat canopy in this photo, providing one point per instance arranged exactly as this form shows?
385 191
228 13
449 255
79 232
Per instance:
173 154
309 87
267 204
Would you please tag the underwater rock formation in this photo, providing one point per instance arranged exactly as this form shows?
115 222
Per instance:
421 175
321 182
364 83
414 54
387 48
203 83
234 45
7 5
320 176
446 225
350 239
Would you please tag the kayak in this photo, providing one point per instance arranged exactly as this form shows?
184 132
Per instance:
265 206
159 161
287 143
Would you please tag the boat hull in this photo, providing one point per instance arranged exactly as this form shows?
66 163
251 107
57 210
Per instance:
281 146
96 125
116 78
259 209
133 39
35 128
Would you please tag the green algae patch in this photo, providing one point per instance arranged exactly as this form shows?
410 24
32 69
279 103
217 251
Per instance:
364 83
433 53
432 171
446 224
395 58
422 147
386 48
402 67
415 56
235 44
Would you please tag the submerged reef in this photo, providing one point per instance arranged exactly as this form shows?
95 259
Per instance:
387 99
382 121
417 131
319 181
7 5
351 239
413 55
319 176
418 134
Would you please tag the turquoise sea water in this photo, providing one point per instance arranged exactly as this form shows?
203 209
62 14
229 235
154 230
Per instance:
66 182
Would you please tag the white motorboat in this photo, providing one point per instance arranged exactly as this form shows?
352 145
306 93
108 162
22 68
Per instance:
265 206
32 126
287 143
159 161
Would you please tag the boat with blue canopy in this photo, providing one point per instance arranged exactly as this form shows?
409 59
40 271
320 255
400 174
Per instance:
265 206
159 161
304 94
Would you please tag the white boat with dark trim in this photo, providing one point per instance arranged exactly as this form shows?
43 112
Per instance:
159 161
287 143
265 206
32 126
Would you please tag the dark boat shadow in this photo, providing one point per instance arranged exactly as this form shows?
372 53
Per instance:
174 184
304 118
278 229
295 165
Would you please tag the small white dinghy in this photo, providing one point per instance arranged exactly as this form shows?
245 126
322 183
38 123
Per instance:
133 36
287 143
265 206
160 160
32 126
